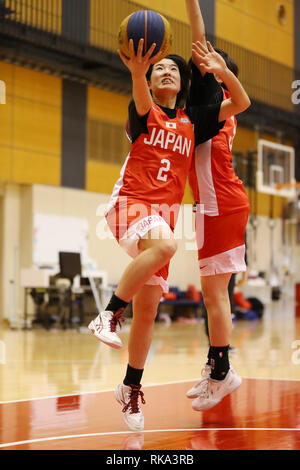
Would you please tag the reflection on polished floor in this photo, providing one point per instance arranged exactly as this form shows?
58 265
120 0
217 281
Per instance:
56 389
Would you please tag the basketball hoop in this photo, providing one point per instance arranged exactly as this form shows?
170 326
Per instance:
276 169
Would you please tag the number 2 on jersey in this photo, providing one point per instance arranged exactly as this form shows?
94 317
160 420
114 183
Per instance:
162 172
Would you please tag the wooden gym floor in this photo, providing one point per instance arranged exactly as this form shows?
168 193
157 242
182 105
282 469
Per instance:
56 389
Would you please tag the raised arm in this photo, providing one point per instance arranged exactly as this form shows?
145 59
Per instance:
197 25
196 21
210 61
138 66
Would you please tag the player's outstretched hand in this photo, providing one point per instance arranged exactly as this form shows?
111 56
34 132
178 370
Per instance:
137 63
208 59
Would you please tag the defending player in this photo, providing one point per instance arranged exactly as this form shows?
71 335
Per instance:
222 197
145 202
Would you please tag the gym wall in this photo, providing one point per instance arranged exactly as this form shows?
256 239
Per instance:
30 123
33 13
258 26
107 144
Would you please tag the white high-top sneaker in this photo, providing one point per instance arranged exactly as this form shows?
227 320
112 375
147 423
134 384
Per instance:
195 390
104 327
128 397
213 391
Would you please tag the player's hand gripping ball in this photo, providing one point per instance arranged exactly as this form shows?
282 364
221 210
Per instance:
150 26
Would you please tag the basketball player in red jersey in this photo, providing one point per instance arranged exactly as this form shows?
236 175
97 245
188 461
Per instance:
145 202
221 197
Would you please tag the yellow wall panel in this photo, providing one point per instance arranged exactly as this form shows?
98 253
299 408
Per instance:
264 205
107 15
253 24
5 163
101 177
37 127
244 140
266 12
30 124
37 86
29 167
105 20
6 119
107 105
6 130
6 74
174 8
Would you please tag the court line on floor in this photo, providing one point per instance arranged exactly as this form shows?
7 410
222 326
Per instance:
76 393
148 431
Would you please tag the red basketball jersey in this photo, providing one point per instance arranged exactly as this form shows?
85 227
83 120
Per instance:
159 161
212 178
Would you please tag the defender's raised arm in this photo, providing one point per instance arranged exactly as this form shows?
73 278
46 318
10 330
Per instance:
211 62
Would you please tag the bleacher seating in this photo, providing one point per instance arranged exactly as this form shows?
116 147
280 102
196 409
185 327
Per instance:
179 300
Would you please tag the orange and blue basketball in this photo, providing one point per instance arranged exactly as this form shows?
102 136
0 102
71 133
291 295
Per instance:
150 26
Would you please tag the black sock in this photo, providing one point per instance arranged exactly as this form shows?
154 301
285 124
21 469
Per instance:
219 362
115 304
133 376
209 356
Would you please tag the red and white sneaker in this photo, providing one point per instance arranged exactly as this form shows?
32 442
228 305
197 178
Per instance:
128 397
104 327
213 391
195 390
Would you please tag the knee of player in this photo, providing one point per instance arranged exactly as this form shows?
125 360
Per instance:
146 310
214 296
167 248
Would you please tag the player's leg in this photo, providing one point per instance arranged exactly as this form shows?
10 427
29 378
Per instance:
145 305
219 324
156 251
153 252
128 393
216 298
219 257
222 379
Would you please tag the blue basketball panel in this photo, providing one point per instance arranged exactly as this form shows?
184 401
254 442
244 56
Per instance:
155 30
136 28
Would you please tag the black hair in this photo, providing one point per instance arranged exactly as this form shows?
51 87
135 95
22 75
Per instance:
185 75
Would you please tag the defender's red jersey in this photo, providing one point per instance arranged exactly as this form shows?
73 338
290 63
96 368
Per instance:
212 177
156 169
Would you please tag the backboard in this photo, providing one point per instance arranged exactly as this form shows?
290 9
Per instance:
275 169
